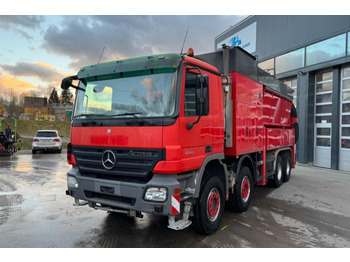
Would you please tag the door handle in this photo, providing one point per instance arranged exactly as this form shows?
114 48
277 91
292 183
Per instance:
208 149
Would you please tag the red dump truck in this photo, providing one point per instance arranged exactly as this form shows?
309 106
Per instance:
179 136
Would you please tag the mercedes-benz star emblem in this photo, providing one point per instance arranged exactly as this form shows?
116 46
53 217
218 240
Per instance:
108 159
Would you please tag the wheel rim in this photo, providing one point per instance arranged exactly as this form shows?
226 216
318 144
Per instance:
245 189
288 168
213 204
279 172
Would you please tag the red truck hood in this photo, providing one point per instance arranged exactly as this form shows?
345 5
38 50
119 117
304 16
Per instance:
132 137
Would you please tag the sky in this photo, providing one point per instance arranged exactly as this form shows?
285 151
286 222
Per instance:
41 42
36 52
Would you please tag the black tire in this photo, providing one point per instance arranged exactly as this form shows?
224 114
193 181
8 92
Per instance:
33 152
287 167
240 199
276 180
209 209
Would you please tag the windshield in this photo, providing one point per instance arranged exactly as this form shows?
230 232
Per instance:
137 96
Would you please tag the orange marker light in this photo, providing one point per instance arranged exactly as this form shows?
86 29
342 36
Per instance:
190 52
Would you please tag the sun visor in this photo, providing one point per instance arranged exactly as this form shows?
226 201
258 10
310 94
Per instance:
130 65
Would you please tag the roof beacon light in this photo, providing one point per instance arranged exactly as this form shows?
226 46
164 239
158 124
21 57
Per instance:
190 52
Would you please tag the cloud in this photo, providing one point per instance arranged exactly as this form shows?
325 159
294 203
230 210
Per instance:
40 70
19 86
26 21
21 24
82 38
23 34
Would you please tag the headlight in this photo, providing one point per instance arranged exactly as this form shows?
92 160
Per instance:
72 182
156 194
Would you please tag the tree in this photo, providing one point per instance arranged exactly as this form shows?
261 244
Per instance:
12 107
66 97
53 98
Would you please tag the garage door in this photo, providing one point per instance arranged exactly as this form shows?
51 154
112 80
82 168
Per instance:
323 119
344 149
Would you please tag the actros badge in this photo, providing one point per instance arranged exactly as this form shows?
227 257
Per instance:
108 159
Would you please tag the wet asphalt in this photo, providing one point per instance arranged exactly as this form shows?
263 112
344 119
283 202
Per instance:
311 210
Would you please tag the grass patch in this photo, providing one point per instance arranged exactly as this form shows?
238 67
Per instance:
29 127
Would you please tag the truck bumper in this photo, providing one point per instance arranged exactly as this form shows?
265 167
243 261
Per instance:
108 194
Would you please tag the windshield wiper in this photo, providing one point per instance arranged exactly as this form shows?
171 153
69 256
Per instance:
92 119
129 114
91 116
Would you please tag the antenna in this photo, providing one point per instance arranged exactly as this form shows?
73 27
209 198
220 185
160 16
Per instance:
101 55
184 39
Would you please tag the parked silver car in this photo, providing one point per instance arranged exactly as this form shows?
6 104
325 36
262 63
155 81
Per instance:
46 140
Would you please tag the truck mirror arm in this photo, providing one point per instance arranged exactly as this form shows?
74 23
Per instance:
67 83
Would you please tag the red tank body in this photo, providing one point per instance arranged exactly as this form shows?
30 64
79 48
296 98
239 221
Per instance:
247 116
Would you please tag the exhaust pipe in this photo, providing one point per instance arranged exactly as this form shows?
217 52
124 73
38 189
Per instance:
226 58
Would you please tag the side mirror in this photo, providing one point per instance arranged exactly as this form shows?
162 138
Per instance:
68 82
202 79
202 101
202 94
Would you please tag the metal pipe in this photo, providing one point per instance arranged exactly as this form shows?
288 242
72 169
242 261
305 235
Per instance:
226 59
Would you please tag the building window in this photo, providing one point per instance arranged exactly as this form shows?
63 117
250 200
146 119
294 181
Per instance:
326 50
268 66
290 61
292 82
323 97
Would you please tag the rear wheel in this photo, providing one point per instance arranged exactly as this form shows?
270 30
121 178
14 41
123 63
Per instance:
240 199
276 181
208 211
287 167
33 152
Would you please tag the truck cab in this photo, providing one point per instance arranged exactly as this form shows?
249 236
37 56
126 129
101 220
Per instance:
141 131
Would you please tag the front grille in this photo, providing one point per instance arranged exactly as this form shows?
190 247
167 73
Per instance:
98 197
132 165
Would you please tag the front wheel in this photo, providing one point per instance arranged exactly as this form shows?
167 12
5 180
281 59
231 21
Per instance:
208 211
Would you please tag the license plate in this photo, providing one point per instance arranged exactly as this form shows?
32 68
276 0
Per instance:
107 189
46 141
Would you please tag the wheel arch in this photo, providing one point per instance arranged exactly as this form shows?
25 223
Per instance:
214 167
280 151
247 161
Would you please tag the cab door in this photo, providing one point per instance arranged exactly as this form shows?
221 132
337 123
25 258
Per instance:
196 142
